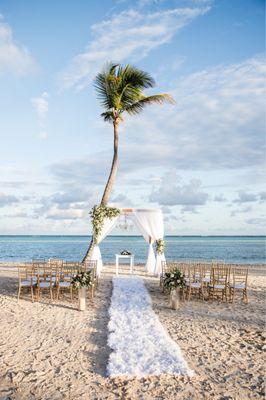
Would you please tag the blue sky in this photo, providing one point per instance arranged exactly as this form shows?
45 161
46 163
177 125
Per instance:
202 160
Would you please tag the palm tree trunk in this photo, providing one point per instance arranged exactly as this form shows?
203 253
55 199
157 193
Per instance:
109 185
111 179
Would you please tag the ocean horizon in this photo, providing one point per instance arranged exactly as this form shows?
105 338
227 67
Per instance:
246 249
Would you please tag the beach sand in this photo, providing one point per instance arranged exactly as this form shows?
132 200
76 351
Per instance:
52 351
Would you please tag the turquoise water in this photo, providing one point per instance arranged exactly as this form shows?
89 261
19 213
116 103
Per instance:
236 249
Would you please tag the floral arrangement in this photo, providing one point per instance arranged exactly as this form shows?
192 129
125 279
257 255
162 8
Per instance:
125 253
81 279
174 279
160 246
98 215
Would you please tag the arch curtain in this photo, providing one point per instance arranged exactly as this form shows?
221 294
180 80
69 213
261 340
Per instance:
150 224
109 224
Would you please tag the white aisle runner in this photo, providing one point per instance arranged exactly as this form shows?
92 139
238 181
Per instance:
140 345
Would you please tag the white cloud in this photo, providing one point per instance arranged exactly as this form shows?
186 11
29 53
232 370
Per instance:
245 197
43 135
41 107
171 193
71 204
69 214
7 200
130 35
261 221
220 198
217 123
241 211
14 57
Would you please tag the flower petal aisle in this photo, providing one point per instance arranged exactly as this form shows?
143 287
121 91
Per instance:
140 345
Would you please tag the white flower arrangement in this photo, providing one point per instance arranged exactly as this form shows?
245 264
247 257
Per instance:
98 215
160 246
81 279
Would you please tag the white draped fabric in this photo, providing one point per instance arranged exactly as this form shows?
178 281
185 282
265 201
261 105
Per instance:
109 224
150 224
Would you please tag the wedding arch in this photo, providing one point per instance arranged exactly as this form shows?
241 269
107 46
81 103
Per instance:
149 222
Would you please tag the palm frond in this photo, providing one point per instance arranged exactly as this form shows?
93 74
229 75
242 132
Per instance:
108 116
103 84
138 106
120 88
136 78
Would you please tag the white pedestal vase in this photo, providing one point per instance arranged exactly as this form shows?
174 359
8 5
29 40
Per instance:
175 296
82 298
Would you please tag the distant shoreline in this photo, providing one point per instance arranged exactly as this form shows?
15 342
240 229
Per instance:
181 236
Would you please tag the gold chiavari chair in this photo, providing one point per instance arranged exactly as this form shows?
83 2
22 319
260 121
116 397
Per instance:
239 282
69 268
25 279
45 280
206 277
220 275
55 268
186 265
164 268
91 266
194 281
38 261
183 267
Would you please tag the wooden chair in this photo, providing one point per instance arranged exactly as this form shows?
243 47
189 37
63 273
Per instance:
219 283
54 267
239 283
92 267
206 277
164 268
70 268
25 280
194 281
38 260
64 278
45 281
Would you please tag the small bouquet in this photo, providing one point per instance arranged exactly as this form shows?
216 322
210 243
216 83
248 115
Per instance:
125 253
174 279
81 279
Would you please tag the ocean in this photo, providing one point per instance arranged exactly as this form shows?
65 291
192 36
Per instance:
234 249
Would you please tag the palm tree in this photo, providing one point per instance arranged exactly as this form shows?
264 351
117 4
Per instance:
120 91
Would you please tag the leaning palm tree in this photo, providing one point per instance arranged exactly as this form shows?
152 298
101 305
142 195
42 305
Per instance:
120 91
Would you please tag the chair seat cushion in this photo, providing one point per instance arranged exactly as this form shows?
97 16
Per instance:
206 279
217 286
44 284
53 279
195 285
25 283
64 284
238 285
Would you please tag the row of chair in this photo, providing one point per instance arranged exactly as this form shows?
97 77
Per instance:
53 276
210 280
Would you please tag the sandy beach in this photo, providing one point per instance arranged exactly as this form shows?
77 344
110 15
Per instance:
52 351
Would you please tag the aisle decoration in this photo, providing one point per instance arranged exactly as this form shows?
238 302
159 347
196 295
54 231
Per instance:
81 281
160 246
140 344
98 215
148 221
174 282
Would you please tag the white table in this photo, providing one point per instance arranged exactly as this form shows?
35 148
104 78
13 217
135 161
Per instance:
130 257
